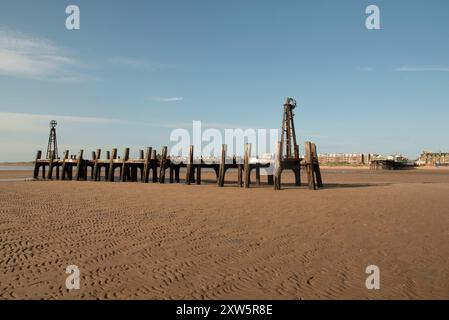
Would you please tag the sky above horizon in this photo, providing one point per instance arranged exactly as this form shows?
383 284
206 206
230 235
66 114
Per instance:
136 70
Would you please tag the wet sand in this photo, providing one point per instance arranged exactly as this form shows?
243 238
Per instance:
172 241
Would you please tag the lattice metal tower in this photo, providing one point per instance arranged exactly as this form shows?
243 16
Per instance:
52 143
288 138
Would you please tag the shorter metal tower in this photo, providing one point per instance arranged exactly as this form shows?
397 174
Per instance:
52 143
288 138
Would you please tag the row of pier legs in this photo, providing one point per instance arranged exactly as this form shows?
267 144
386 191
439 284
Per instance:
150 163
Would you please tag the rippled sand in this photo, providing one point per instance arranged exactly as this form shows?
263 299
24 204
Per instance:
152 241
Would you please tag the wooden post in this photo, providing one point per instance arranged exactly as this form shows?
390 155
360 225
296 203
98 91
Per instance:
36 165
247 167
133 169
96 172
258 175
56 164
171 172
177 174
154 166
63 166
146 165
222 170
57 170
125 165
94 160
309 165
278 166
138 167
163 165
43 171
216 168
86 166
198 172
297 173
111 164
316 166
79 165
189 166
70 171
50 165
240 175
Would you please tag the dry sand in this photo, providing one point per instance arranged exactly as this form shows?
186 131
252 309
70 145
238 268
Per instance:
152 241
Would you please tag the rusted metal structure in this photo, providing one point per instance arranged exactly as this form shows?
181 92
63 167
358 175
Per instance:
288 137
52 148
287 153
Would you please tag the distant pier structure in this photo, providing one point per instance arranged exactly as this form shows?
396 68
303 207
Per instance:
151 166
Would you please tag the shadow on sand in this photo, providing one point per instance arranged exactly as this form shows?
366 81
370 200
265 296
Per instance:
337 185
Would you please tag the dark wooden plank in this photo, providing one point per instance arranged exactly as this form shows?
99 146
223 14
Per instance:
96 171
246 165
309 165
50 165
163 165
171 173
154 165
222 169
257 175
64 166
124 173
85 167
79 166
36 164
111 164
198 172
240 175
189 166
316 166
146 165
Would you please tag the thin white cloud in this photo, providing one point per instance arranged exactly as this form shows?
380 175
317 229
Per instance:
134 63
12 121
30 122
422 69
166 99
31 57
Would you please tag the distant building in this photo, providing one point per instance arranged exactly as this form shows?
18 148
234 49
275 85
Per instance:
344 158
429 158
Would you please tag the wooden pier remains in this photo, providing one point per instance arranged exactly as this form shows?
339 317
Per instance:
387 164
76 167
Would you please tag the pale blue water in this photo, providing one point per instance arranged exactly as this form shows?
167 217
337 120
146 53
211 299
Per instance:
16 179
16 168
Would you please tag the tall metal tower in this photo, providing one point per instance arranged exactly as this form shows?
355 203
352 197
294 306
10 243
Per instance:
288 138
52 143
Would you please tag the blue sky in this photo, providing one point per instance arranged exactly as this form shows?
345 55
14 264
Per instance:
138 69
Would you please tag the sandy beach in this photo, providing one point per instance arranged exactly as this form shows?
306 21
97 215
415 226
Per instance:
172 241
